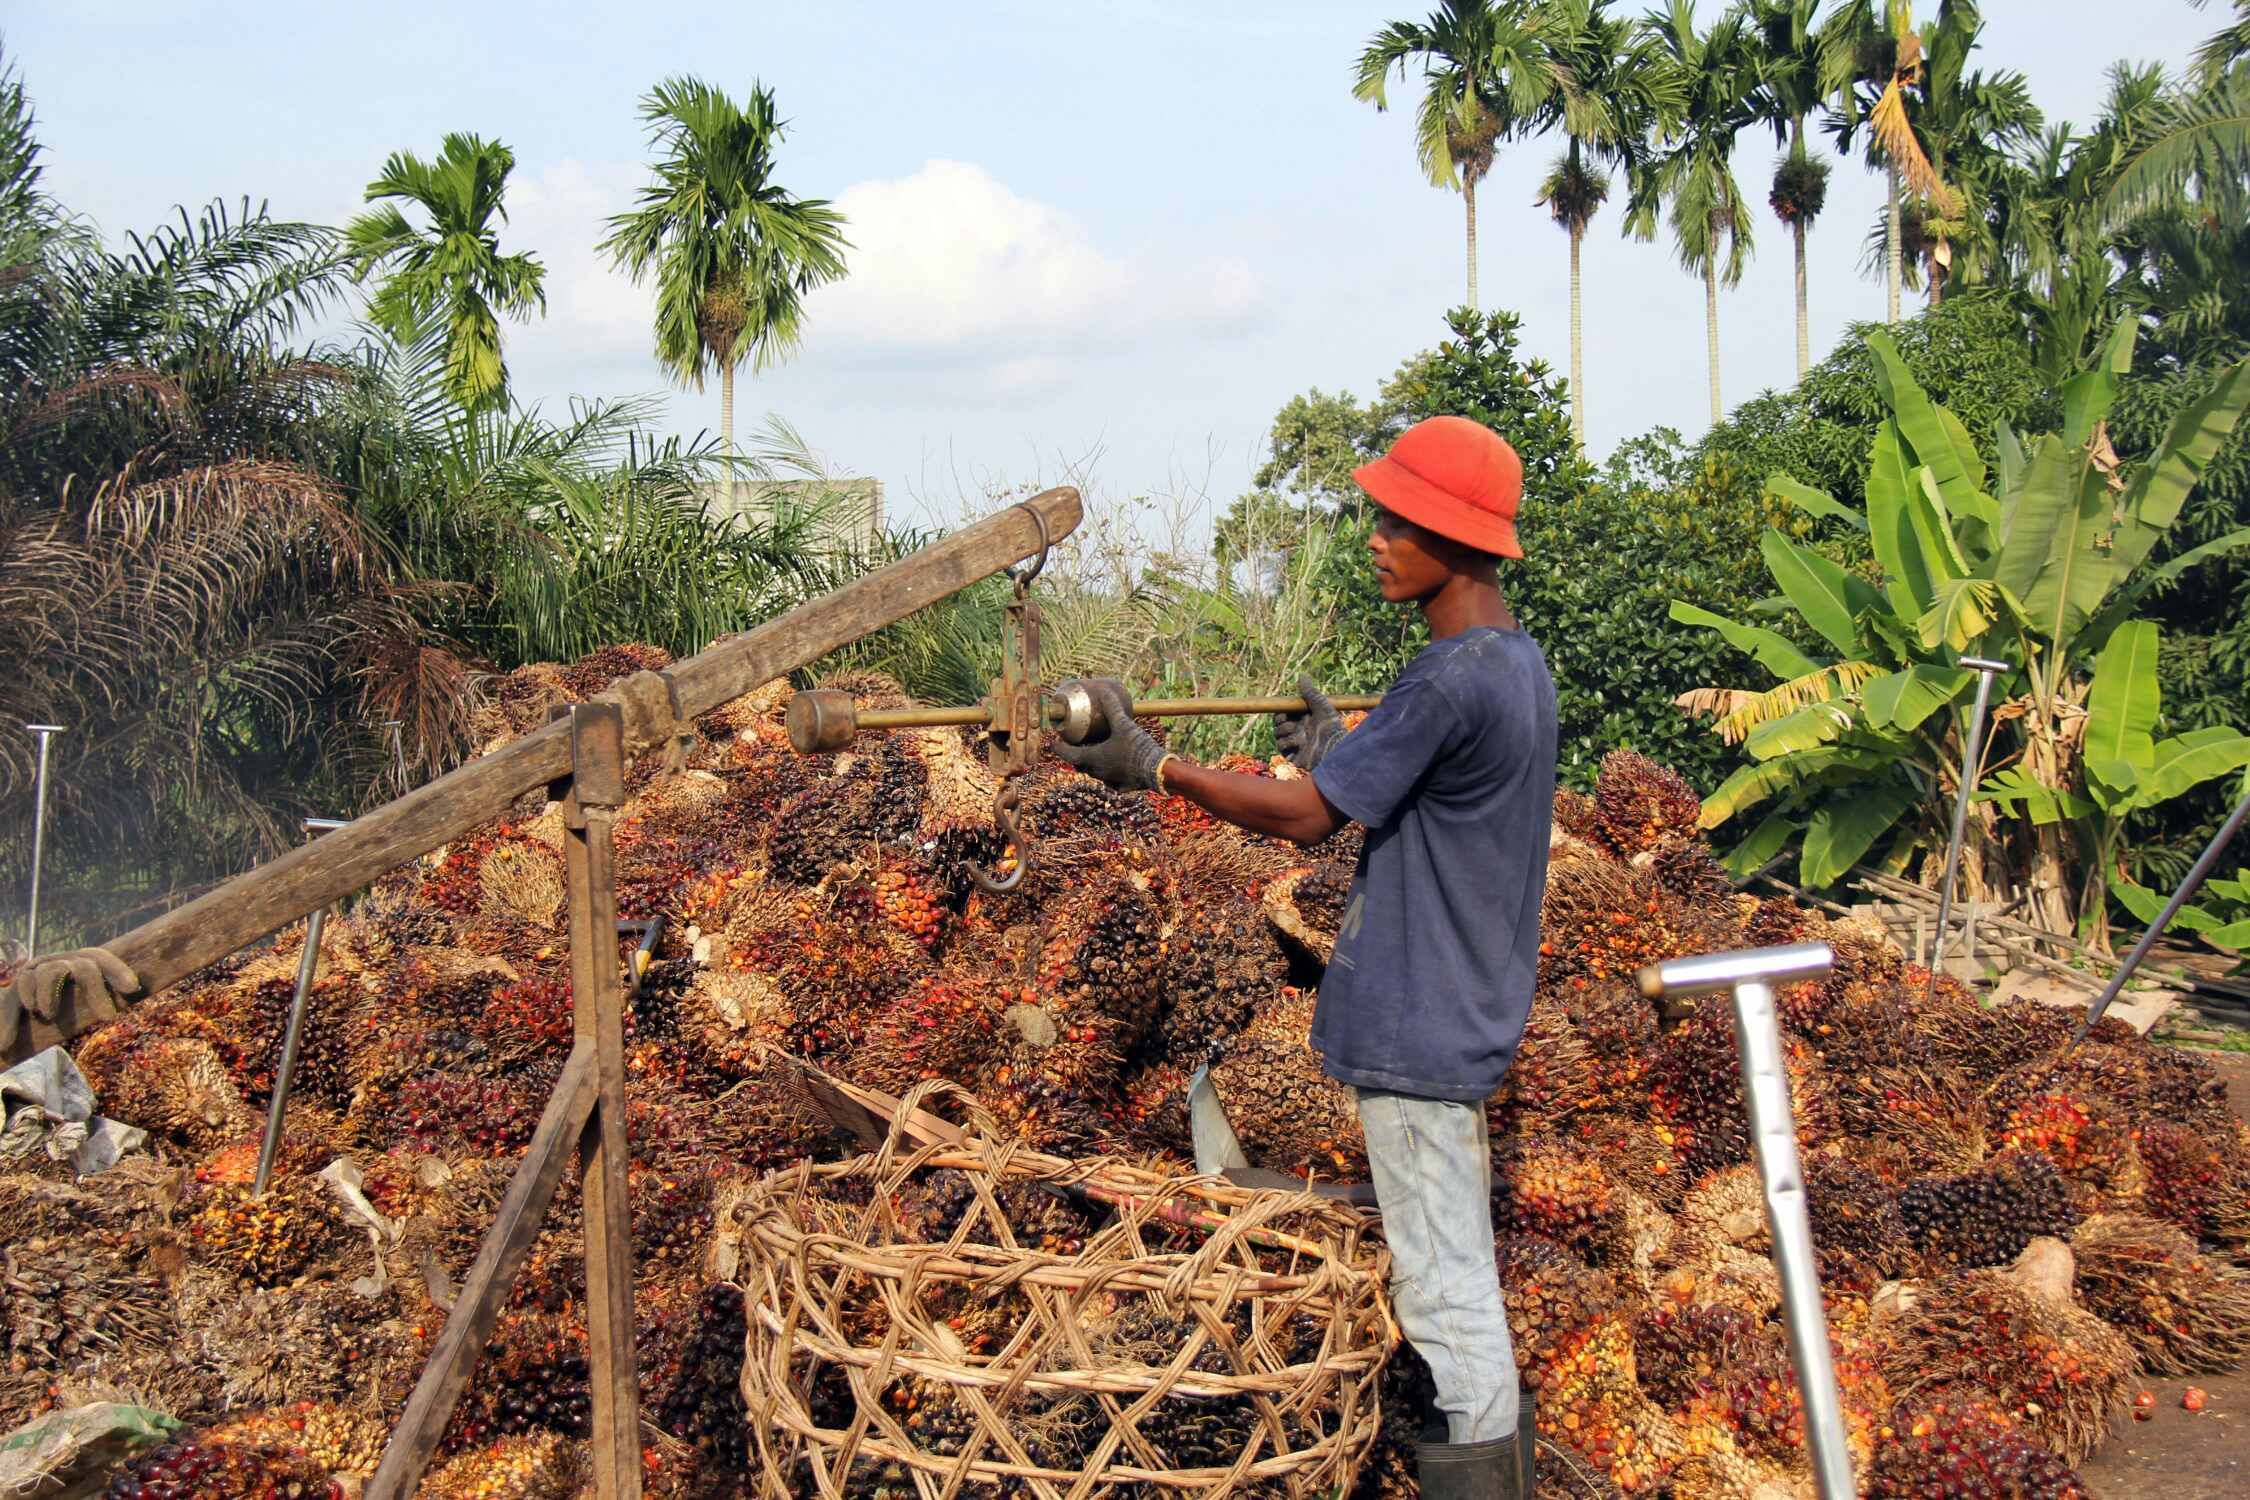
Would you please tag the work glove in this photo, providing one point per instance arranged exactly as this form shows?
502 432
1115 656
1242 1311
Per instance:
1305 739
1119 753
100 978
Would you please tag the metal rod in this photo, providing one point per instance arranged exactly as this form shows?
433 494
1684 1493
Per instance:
282 1074
1971 757
45 732
1773 1134
286 1070
2180 898
1157 708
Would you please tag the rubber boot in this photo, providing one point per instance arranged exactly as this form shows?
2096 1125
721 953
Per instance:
1490 1470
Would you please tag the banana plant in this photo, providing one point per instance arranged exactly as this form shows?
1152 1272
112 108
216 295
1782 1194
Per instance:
2040 559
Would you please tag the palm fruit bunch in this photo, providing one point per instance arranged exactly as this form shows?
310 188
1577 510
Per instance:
1985 1217
1082 808
1288 1113
2185 1313
1554 1074
595 672
1322 894
671 1217
1113 966
2058 1371
1638 803
874 797
324 1049
453 881
1932 1111
2083 1133
531 1467
268 1241
703 1404
946 1026
1569 1321
529 1017
1695 1093
1952 1445
196 1465
1548 1186
1221 966
1619 1032
481 1116
906 895
338 1439
1605 921
1686 868
534 1377
2193 1183
1985 1042
1857 1228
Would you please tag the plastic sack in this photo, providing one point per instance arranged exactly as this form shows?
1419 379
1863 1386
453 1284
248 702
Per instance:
48 1106
69 1453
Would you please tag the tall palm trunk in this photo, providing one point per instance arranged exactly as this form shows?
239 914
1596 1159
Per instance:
1469 198
1577 347
726 422
1891 260
1711 317
1797 226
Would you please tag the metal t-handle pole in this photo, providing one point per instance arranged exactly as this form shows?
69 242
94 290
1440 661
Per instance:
2180 898
1971 756
45 732
286 1069
1752 973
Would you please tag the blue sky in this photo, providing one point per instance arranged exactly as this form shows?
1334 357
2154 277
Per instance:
1107 238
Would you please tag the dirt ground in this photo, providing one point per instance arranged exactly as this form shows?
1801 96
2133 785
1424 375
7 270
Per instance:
2180 1455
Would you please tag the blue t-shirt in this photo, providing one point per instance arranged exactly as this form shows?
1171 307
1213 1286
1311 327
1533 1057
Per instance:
1453 776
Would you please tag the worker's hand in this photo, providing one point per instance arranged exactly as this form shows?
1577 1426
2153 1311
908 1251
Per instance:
99 978
1119 752
1308 737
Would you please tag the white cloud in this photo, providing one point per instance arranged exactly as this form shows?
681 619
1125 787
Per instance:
951 259
560 214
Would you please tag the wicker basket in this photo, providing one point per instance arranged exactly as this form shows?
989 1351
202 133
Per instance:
1190 1314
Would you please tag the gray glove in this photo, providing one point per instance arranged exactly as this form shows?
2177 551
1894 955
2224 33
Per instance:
1120 753
1306 738
99 976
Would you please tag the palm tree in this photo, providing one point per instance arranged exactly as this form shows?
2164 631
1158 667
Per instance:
1878 50
452 269
732 252
1617 90
1791 89
1711 225
1488 72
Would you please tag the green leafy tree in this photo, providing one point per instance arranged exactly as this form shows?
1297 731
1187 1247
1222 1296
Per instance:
1694 170
450 269
1488 71
732 253
1790 87
1621 93
2038 560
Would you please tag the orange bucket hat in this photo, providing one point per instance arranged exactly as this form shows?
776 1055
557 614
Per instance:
1456 477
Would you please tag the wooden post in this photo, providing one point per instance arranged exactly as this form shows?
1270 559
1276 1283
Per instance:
597 790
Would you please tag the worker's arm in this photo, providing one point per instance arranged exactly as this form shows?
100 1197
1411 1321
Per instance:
1292 810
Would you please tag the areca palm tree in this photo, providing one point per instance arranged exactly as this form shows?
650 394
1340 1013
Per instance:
1791 88
1711 225
732 252
1617 91
1872 49
451 269
1488 71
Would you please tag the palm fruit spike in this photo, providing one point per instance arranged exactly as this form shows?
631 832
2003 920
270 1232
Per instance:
1114 965
1575 818
2192 1184
1618 1029
1996 1039
196 1465
340 1439
1555 1073
266 1241
2185 1313
2055 1369
946 1026
1557 1305
1220 967
1954 1445
530 1467
1682 1349
1985 1217
1603 921
1638 802
2084 1134
1695 1091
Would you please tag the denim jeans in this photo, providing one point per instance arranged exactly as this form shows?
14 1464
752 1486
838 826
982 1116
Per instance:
1432 1166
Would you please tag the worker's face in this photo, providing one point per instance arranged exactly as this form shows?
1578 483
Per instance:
1411 564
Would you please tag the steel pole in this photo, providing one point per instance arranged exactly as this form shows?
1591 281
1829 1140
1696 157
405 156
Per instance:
1751 974
1971 755
45 732
2180 898
286 1070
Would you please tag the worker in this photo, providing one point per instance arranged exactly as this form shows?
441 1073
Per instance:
1427 992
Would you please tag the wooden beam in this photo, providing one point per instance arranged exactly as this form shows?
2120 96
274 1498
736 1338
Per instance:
597 790
469 1324
171 947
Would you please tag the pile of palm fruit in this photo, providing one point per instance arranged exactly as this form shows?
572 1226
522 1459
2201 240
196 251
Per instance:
2009 1236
